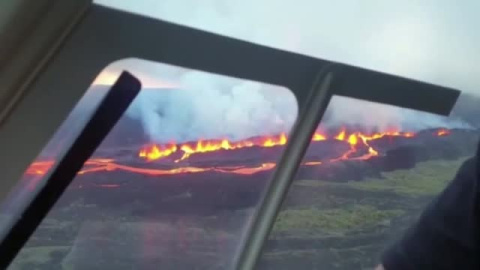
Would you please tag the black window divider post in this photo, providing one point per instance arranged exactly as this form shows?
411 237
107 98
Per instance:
108 112
297 145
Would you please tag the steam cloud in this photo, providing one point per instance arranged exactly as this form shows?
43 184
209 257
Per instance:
206 106
210 106
200 105
380 117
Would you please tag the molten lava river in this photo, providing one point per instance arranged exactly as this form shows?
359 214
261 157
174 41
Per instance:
173 158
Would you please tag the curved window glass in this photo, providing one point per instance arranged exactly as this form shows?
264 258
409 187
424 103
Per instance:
368 173
173 185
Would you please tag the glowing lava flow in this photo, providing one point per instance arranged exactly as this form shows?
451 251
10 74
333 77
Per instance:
319 137
358 140
360 149
39 167
341 135
249 171
155 152
42 167
98 165
443 132
210 146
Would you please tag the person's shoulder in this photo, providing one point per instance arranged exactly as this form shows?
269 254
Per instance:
446 234
470 163
468 171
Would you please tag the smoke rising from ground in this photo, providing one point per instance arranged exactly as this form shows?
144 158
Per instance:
381 117
209 106
180 105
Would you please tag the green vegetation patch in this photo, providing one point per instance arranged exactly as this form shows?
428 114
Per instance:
427 178
315 183
332 221
37 257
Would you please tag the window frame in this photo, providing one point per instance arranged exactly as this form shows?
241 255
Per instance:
70 161
105 35
30 33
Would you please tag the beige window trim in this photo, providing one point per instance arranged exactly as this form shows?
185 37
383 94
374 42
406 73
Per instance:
31 31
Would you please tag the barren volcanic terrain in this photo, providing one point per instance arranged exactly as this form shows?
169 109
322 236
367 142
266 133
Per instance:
186 205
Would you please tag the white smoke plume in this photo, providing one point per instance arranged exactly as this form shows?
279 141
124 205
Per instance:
207 106
381 117
178 105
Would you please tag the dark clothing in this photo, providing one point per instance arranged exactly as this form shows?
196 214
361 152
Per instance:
447 234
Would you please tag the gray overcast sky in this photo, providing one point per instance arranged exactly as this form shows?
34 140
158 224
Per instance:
429 40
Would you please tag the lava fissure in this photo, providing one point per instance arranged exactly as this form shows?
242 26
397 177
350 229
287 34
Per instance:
360 148
154 152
